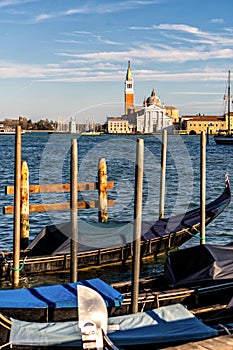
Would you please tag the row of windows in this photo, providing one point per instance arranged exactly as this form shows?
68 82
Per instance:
118 124
114 128
206 124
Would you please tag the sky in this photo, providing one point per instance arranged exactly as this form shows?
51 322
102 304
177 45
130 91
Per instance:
68 58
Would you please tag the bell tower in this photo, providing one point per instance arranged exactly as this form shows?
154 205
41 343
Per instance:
129 89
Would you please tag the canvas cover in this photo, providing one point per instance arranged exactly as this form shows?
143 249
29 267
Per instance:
163 325
200 263
57 296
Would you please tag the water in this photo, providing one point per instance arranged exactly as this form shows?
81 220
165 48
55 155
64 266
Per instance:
48 158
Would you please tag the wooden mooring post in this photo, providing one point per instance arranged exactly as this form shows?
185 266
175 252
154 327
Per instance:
137 224
163 174
103 191
24 206
17 183
203 186
74 212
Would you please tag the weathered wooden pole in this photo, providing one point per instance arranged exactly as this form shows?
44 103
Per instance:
17 183
137 224
24 207
203 186
74 212
103 191
163 174
207 136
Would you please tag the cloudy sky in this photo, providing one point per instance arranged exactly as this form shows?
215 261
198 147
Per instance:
69 57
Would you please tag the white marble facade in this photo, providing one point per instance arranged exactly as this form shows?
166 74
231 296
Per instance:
153 120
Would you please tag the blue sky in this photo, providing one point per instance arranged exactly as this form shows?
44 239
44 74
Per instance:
69 58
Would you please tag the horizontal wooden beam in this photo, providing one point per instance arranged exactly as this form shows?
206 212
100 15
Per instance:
40 208
46 188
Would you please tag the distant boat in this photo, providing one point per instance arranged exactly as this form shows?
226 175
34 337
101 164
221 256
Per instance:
9 132
91 133
225 137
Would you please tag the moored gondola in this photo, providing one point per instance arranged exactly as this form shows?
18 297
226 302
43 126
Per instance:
102 244
156 329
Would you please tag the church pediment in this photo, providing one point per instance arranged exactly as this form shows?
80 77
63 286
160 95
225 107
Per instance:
154 108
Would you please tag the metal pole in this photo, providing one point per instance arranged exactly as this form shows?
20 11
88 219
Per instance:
137 224
17 183
103 191
24 207
74 212
203 186
163 174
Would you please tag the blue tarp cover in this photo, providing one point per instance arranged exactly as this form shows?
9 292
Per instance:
163 325
59 296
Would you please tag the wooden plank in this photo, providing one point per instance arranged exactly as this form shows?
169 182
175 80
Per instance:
46 188
40 208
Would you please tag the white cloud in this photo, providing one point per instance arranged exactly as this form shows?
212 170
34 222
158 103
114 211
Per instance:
8 3
217 20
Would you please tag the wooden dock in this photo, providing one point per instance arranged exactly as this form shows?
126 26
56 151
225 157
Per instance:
224 342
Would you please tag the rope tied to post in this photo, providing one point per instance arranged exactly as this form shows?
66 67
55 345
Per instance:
21 266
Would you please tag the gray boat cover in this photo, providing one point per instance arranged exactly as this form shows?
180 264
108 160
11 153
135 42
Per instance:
57 296
198 264
163 325
55 239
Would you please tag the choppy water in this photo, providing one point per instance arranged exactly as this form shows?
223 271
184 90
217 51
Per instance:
48 158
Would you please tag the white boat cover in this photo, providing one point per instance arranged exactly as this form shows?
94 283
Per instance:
166 324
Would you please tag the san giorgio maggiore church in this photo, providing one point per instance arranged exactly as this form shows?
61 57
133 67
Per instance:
151 117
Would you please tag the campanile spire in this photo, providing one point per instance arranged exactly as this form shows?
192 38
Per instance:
129 89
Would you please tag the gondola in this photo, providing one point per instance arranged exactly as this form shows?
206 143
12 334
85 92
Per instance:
110 242
200 278
154 329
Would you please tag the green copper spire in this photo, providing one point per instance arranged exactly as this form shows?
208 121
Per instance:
129 75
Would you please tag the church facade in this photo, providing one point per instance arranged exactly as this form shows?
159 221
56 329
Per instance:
152 116
155 118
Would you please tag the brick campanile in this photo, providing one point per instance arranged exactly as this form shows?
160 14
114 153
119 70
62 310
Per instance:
129 89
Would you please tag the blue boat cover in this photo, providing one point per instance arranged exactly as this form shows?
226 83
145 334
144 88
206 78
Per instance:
166 324
57 296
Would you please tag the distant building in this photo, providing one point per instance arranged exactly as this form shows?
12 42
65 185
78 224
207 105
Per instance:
118 126
155 118
194 125
152 116
72 126
174 113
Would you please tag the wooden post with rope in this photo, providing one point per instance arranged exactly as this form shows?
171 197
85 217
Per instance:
103 190
24 206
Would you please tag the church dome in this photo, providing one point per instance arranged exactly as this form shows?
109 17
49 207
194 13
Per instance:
153 99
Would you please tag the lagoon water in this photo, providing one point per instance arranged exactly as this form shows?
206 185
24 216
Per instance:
48 159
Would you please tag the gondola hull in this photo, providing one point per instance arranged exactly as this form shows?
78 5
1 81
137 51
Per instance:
50 249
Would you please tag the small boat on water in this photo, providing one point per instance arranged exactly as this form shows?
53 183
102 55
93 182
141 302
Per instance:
225 137
199 277
154 329
91 133
110 242
9 131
